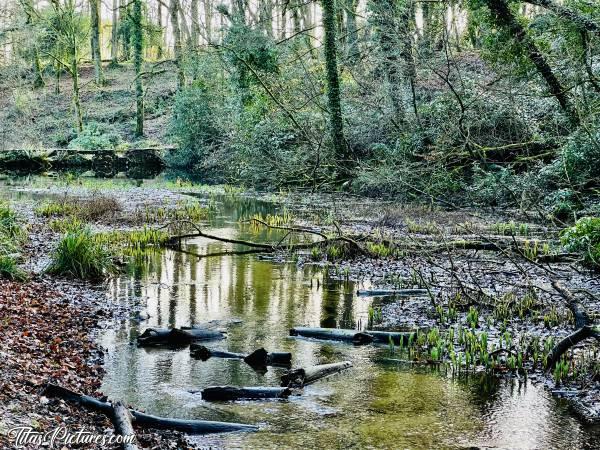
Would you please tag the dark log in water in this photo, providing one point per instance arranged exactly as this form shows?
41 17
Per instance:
303 376
204 353
261 357
177 336
335 334
397 292
224 393
356 337
121 420
258 358
147 420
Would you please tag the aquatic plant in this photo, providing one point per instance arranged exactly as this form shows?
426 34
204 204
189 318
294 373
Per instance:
80 255
378 249
473 317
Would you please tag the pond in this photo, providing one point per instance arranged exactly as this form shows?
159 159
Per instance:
379 403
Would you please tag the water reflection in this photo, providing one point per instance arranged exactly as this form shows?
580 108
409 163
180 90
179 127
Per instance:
374 405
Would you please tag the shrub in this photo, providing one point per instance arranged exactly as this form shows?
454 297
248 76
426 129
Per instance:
95 136
584 237
80 255
193 127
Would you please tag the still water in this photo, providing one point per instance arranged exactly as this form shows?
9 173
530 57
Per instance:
377 404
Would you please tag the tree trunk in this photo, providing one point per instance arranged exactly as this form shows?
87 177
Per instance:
125 37
195 26
504 17
333 91
114 35
138 55
302 377
95 21
352 50
147 420
354 336
227 393
176 336
208 20
177 50
76 96
121 420
161 39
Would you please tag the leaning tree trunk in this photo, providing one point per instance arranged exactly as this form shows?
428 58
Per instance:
569 14
138 49
504 17
333 90
114 35
177 50
95 40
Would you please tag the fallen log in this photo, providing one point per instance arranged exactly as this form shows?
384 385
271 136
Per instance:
582 324
356 337
259 357
299 378
397 292
334 334
177 336
121 419
571 340
397 337
147 420
225 393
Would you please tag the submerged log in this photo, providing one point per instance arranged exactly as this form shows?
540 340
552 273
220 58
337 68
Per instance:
583 326
224 393
177 336
257 358
121 419
397 292
356 337
147 420
304 376
261 357
334 334
204 353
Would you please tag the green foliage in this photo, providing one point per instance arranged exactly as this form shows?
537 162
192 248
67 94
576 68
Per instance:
194 128
96 136
584 237
80 255
10 270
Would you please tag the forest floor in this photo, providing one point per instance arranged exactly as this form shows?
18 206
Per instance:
42 118
509 284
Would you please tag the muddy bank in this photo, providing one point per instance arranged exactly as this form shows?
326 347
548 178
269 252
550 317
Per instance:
48 335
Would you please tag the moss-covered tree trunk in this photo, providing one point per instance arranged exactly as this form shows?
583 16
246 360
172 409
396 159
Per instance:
76 96
161 38
138 56
195 25
333 89
114 34
208 17
95 40
177 50
505 18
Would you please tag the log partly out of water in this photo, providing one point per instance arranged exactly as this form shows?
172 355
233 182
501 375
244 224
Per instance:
224 393
334 334
121 419
177 336
396 292
147 420
258 358
299 378
354 336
